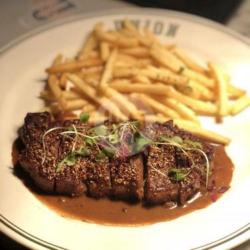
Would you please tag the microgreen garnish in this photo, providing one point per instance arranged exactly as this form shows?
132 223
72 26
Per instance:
141 142
100 156
178 174
100 130
70 159
109 152
192 144
174 139
84 117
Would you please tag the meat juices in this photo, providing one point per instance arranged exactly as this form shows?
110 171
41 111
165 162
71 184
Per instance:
144 176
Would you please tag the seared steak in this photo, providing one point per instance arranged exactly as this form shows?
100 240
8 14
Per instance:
154 163
127 178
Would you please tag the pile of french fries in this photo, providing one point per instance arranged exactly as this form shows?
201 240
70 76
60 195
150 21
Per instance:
129 74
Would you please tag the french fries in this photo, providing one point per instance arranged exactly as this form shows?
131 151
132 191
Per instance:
221 89
107 73
129 74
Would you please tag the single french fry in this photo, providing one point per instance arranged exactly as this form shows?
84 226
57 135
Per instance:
88 47
97 118
104 51
164 76
166 58
88 72
136 52
151 89
124 60
191 74
157 106
183 110
68 95
221 88
141 79
75 104
63 81
120 81
234 93
58 60
188 61
240 104
120 72
74 66
53 84
108 69
91 93
88 108
208 135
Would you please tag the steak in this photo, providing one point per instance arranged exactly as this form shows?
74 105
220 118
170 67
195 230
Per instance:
73 158
159 187
127 178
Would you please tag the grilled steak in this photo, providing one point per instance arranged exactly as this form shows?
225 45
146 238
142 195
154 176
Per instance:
154 163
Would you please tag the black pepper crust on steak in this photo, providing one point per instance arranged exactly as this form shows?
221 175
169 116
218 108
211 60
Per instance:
58 161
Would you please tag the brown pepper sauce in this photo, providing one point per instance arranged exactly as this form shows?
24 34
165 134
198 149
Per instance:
109 212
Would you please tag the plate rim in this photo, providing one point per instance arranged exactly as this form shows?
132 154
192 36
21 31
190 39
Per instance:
28 239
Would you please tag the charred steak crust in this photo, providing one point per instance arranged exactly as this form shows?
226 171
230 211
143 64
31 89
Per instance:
143 176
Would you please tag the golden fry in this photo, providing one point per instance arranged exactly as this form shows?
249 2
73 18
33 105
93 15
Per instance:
53 84
150 89
221 88
75 104
164 76
166 58
58 60
104 51
120 72
74 66
88 47
108 69
234 93
136 52
240 104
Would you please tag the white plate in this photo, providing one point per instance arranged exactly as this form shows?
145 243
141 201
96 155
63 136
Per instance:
222 225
